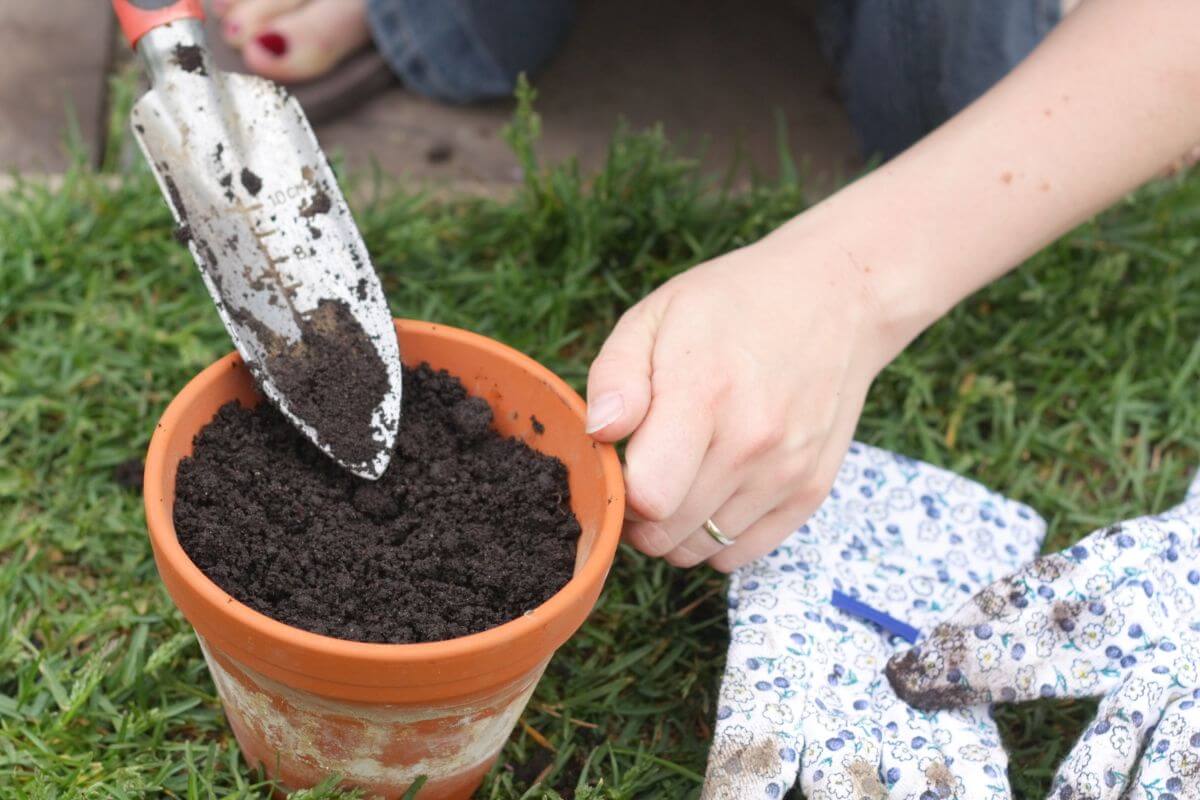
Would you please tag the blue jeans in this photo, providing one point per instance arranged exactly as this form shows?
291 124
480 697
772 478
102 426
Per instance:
904 65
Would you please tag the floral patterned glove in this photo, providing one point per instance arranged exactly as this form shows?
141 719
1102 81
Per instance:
1115 616
804 691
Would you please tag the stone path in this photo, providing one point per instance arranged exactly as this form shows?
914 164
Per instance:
717 75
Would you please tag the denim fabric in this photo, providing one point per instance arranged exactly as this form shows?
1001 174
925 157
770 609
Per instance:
905 66
462 51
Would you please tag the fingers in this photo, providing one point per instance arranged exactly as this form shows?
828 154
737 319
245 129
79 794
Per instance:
713 488
673 422
733 517
721 494
803 493
763 536
618 388
663 458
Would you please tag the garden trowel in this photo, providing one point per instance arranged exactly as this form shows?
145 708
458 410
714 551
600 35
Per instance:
258 206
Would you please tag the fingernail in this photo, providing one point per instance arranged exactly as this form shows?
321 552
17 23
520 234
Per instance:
604 411
275 44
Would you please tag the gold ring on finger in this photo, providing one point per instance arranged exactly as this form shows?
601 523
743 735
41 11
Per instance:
712 530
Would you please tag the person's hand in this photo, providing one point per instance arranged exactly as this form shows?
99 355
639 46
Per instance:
741 382
804 694
1115 616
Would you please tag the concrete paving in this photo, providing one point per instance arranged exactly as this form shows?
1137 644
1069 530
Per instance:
54 60
717 75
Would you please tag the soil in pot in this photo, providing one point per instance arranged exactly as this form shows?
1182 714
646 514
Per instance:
332 375
466 530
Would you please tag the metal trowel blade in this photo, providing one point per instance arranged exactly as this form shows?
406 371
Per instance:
261 211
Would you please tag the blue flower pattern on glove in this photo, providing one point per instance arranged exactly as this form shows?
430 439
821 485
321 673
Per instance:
1115 616
804 694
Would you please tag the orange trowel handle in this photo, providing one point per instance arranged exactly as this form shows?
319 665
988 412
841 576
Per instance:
139 16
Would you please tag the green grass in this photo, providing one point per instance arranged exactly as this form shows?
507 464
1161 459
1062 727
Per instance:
1071 385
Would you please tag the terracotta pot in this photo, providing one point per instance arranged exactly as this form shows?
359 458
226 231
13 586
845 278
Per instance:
304 706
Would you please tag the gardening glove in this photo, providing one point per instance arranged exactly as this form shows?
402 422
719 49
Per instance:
804 692
1116 616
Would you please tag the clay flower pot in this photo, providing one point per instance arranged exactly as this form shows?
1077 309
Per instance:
304 706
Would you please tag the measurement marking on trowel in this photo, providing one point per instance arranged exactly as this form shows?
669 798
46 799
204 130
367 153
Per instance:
271 271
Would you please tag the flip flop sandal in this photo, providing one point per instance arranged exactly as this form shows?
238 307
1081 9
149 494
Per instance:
358 78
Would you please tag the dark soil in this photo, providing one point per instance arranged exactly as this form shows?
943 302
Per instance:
190 58
466 530
176 198
320 204
251 182
332 377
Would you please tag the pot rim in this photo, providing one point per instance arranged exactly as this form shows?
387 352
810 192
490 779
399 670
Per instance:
587 581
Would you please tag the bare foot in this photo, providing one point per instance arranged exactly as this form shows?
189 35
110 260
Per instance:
293 40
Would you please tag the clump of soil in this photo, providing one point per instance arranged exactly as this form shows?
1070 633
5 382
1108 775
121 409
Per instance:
190 58
251 182
333 378
320 204
465 531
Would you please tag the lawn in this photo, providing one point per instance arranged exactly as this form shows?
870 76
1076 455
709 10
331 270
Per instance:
1070 385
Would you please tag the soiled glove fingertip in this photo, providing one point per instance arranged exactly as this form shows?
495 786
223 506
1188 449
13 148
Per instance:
928 677
909 681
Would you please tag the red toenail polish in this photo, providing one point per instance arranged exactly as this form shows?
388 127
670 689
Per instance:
274 43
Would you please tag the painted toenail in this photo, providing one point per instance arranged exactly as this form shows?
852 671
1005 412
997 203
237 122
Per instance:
275 44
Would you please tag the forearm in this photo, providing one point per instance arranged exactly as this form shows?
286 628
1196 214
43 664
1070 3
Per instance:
1109 99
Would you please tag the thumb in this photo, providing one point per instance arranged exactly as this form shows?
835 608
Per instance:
618 389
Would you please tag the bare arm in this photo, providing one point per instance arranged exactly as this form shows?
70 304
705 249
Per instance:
1106 102
741 381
